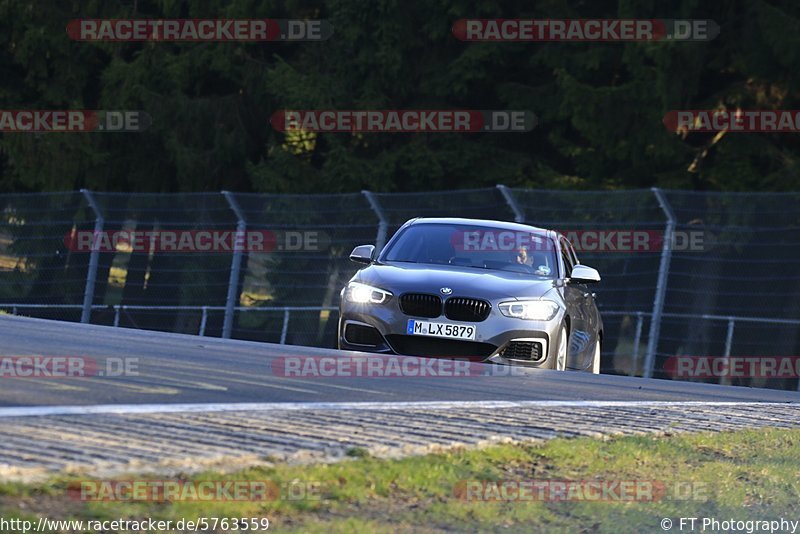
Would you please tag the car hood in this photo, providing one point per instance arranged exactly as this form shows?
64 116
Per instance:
465 282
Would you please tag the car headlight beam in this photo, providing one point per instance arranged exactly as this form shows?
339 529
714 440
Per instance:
533 310
363 294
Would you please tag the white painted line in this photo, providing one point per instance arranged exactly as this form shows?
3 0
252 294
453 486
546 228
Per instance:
136 409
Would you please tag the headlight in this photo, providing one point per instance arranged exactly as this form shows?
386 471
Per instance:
362 293
535 310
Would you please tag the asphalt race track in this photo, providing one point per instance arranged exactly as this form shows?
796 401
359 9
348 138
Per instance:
196 403
181 369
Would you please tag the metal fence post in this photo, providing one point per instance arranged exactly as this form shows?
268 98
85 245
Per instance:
519 214
637 339
661 284
236 265
728 343
729 337
203 322
285 327
383 224
94 259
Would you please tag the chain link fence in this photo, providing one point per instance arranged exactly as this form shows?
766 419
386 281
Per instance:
716 273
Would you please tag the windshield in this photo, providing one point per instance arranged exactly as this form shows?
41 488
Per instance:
480 247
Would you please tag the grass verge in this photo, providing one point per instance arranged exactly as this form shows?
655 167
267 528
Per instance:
744 475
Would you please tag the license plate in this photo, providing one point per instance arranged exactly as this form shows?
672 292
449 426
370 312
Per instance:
452 331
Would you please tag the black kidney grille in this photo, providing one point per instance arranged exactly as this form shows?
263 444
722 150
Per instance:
421 305
466 309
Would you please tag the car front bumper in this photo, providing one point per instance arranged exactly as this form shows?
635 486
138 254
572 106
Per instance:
493 335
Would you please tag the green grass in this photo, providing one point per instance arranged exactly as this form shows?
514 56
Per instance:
740 475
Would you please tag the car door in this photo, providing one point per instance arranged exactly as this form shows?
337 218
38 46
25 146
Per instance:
579 303
592 312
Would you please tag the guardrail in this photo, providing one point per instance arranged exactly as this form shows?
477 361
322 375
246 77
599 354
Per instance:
119 308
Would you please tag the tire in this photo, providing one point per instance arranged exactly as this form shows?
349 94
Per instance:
596 360
560 363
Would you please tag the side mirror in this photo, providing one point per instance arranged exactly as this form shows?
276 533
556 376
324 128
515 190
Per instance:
362 254
582 274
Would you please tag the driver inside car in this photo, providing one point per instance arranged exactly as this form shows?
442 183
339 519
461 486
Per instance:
537 262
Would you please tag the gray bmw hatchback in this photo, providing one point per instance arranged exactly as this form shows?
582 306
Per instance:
487 291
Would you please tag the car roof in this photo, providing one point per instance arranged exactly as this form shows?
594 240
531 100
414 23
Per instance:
501 225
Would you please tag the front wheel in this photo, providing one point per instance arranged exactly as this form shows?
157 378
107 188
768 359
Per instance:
561 356
596 360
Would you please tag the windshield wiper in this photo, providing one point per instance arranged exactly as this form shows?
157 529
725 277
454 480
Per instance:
470 266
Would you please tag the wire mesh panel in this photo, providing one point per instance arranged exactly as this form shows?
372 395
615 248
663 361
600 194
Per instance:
36 266
486 203
625 341
170 250
307 262
746 263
